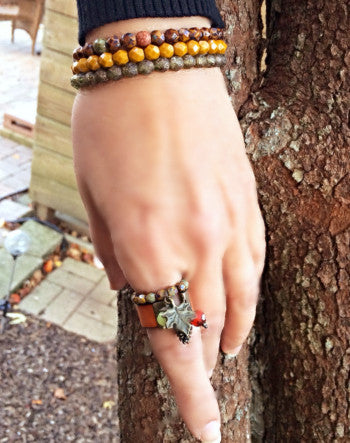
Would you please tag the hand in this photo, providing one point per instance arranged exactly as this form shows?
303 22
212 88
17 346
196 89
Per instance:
162 171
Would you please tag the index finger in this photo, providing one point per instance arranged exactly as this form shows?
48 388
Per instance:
185 368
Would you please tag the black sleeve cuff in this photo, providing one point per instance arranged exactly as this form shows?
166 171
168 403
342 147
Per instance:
95 13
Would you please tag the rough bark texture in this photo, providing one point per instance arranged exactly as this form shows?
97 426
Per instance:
295 119
297 134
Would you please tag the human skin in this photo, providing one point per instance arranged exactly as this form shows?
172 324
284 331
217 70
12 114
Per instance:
169 191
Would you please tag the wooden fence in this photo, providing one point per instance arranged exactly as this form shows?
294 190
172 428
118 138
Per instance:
53 185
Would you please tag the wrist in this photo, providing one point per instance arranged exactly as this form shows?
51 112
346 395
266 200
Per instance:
147 24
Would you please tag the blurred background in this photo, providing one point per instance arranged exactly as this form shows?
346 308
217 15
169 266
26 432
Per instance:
58 316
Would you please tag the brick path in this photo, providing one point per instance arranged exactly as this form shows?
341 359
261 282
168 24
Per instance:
15 162
75 296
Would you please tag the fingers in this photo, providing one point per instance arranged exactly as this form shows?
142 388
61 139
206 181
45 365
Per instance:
187 374
242 281
207 294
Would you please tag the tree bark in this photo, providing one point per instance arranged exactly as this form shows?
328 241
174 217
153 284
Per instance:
297 132
295 119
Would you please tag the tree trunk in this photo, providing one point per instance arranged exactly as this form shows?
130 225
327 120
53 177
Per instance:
297 133
295 119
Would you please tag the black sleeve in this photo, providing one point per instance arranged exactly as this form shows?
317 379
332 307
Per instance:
94 13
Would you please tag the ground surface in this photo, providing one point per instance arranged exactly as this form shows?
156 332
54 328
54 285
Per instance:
39 358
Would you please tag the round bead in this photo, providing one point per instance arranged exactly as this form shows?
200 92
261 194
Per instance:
77 53
157 37
199 319
106 60
193 47
220 32
166 50
161 320
220 59
100 46
162 64
128 40
180 49
173 291
205 33
83 65
93 62
90 78
189 61
121 57
141 299
113 44
151 297
101 76
75 68
171 36
184 34
152 52
85 80
176 63
130 69
143 39
88 50
183 285
145 67
136 54
77 81
195 34
161 294
203 46
221 46
212 47
214 33
211 60
201 61
114 73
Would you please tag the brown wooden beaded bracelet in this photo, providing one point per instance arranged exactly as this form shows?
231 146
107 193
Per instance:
144 38
151 52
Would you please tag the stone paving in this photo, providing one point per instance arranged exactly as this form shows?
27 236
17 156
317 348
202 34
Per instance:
75 296
15 163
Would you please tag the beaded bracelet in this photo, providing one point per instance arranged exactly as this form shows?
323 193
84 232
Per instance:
145 67
145 38
168 308
115 58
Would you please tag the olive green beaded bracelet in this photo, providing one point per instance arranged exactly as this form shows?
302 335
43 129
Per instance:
146 67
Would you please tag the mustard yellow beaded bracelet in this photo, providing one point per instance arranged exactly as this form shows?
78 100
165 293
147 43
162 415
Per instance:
145 52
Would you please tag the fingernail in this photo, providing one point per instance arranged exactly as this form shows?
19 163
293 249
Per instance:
211 433
234 352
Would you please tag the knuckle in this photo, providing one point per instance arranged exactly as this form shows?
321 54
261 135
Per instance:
249 291
259 254
206 229
216 320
